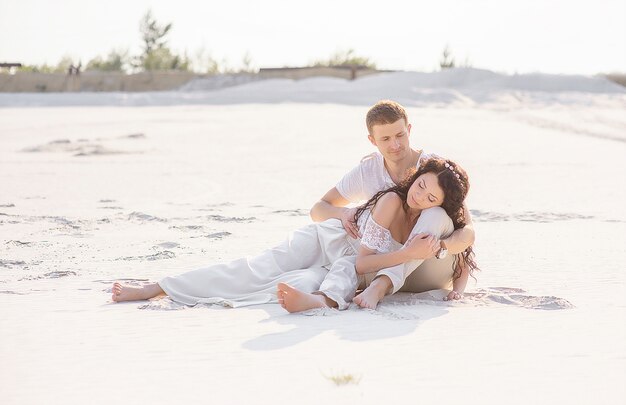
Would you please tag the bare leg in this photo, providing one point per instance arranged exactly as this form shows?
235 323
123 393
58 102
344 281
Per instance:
374 293
128 293
294 300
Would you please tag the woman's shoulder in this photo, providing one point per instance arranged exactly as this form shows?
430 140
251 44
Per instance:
386 208
390 199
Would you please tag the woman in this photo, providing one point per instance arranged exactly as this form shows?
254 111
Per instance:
426 206
319 253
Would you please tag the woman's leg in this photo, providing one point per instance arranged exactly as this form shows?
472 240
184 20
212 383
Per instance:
375 292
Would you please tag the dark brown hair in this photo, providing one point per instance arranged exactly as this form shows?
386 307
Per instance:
455 190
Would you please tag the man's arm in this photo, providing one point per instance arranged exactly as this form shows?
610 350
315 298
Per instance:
333 205
462 238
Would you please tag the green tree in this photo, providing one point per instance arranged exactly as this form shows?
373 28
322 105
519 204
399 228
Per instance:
152 33
64 64
164 59
156 54
45 68
116 61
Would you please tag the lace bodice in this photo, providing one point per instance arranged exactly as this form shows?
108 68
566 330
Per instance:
377 237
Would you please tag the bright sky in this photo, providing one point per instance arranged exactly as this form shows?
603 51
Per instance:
551 36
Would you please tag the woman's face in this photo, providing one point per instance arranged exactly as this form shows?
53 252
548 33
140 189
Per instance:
425 192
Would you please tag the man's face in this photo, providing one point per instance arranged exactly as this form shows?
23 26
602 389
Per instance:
392 140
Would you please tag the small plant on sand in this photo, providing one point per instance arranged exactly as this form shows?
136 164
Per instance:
446 61
343 378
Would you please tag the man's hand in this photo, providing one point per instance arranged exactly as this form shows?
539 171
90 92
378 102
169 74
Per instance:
347 220
422 246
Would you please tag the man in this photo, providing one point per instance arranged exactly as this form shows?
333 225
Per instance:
389 131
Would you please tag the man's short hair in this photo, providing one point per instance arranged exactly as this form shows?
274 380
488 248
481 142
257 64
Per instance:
385 112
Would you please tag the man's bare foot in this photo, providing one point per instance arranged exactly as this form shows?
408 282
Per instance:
373 293
294 300
128 293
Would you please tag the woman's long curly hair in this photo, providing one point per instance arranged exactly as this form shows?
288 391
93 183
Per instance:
455 190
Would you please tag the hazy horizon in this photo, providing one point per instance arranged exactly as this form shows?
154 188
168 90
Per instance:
510 37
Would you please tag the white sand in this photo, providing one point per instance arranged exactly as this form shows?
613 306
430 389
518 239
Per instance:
212 181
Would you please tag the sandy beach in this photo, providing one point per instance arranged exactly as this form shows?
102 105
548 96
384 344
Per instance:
134 187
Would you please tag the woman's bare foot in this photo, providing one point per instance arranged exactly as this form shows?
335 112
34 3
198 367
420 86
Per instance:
373 293
281 297
128 293
294 300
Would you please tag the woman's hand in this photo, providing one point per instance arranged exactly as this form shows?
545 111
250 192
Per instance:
453 295
347 220
422 246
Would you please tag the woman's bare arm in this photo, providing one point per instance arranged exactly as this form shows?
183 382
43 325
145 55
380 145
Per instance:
458 285
422 245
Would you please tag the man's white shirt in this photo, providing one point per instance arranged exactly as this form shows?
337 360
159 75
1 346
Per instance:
369 177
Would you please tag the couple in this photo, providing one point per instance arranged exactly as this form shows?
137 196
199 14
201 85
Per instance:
413 234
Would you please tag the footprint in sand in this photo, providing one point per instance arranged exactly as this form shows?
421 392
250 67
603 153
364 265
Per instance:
163 304
187 227
216 235
11 263
163 255
140 216
221 218
167 245
134 136
18 243
298 212
528 216
518 298
50 275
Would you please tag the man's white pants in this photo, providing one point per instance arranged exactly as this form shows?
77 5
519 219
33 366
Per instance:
303 260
